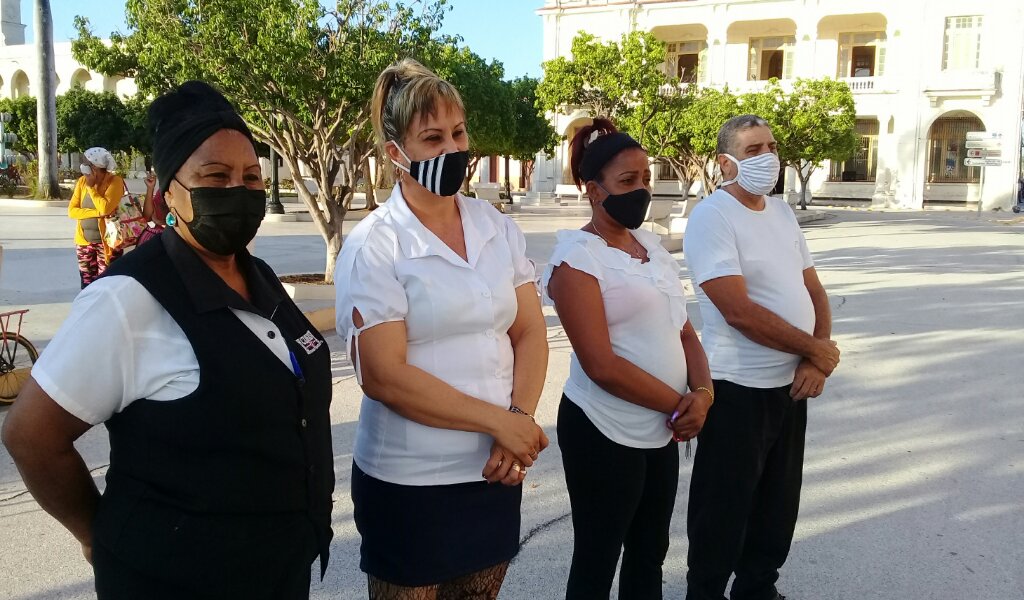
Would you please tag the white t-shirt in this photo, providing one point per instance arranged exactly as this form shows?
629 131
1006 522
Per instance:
119 345
645 307
768 249
457 315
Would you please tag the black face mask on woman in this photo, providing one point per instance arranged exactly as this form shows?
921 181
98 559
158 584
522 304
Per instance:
629 209
225 220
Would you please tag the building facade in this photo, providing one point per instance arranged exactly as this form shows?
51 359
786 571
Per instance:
926 75
19 70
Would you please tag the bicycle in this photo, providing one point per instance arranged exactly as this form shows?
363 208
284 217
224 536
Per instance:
17 355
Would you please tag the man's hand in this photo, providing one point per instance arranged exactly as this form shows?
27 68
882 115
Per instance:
809 381
826 357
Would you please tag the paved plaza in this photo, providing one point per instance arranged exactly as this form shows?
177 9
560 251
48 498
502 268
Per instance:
914 471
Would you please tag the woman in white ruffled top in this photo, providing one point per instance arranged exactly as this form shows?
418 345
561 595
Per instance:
638 379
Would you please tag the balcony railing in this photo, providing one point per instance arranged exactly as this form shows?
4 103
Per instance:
861 84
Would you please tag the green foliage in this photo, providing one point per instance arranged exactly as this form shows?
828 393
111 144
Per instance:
301 74
484 94
30 174
604 78
531 130
813 122
23 122
8 186
86 119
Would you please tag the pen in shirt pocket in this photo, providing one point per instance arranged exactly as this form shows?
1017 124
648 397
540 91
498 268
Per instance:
295 367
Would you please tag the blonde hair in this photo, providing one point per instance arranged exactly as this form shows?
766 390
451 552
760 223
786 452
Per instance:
404 91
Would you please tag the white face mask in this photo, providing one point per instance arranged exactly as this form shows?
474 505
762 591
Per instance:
756 174
85 169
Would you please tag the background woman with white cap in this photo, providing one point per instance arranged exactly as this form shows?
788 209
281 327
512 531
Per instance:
96 195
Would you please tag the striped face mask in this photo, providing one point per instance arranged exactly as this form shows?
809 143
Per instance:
442 175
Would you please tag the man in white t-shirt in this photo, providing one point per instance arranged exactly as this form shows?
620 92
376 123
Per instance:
767 328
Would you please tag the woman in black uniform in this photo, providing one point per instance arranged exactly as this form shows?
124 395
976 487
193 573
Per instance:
214 388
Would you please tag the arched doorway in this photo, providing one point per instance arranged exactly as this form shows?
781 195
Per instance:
19 85
81 79
569 133
947 149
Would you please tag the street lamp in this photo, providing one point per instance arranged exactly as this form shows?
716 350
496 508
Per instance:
274 206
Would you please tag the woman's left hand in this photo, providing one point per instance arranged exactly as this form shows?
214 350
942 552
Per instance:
502 467
690 422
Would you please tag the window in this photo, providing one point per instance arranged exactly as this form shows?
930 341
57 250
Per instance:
861 54
771 58
686 60
864 163
946 151
961 49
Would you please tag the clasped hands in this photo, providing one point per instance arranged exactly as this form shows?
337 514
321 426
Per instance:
688 418
518 441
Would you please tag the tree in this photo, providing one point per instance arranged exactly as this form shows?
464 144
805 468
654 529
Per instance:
658 126
86 119
46 108
302 75
24 122
706 111
812 123
484 95
604 78
532 133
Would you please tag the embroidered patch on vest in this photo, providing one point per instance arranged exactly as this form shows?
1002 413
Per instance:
309 342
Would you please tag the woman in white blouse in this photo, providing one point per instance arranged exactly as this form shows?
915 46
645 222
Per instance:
442 318
635 354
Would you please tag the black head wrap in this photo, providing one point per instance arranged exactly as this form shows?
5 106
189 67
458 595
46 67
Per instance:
602 149
182 119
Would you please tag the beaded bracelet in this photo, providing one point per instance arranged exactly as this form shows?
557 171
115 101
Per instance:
519 411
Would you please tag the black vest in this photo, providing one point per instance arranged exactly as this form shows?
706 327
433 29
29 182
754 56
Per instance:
253 440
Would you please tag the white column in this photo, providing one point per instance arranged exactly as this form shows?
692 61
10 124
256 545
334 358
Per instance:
806 45
716 42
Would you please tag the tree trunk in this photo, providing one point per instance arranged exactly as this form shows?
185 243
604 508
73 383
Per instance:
46 106
333 248
473 162
371 199
804 179
508 185
327 212
527 167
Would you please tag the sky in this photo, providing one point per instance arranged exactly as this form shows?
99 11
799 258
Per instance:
507 30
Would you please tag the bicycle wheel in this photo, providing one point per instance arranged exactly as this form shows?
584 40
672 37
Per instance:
17 355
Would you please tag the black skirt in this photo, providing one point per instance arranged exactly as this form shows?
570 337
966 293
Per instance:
425 535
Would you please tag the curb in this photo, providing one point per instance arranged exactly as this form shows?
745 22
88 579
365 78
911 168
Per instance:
30 203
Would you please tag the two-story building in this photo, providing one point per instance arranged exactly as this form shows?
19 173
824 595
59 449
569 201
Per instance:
924 74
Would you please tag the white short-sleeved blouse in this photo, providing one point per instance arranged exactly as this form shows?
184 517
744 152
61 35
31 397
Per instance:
645 307
457 315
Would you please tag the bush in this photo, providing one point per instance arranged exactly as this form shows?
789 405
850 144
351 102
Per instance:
30 173
8 186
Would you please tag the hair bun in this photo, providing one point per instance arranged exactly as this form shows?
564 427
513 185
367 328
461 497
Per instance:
192 97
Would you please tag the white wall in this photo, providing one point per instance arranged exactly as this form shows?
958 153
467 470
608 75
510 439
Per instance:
913 91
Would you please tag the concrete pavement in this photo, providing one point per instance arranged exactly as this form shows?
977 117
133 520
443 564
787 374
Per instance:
914 470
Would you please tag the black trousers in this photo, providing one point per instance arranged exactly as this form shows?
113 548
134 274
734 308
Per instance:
744 492
622 500
164 554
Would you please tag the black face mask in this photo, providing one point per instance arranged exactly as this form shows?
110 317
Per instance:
225 220
442 175
629 209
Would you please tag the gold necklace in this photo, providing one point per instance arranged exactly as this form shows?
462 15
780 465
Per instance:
636 253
